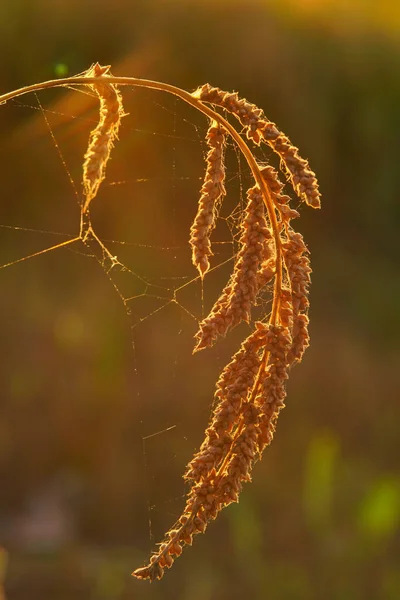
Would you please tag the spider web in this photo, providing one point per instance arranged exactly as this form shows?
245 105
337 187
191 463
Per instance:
136 267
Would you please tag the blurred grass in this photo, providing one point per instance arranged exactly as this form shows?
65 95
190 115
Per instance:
380 511
319 480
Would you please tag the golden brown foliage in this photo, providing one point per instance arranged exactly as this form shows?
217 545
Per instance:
258 128
213 190
102 138
251 389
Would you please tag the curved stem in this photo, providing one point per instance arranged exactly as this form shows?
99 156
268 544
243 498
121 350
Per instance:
243 147
209 112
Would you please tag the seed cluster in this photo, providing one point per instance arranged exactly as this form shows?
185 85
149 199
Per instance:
251 390
212 192
235 303
250 396
258 128
101 140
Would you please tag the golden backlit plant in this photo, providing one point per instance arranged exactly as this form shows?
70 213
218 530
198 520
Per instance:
251 389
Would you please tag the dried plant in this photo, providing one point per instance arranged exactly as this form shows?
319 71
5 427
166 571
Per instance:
251 389
212 192
102 137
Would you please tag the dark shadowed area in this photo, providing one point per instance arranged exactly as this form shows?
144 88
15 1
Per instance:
100 409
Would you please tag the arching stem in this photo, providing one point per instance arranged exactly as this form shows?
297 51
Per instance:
209 112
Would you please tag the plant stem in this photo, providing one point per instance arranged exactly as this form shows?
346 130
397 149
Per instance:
209 112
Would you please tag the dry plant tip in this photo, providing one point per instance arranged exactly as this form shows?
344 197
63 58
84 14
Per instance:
102 138
212 193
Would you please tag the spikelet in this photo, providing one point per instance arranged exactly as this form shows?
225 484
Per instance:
281 200
272 393
231 391
298 266
258 128
294 301
102 137
266 272
236 300
220 484
212 192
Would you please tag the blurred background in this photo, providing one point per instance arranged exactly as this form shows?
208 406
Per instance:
101 409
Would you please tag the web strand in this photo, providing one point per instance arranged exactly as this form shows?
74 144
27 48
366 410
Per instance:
169 290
